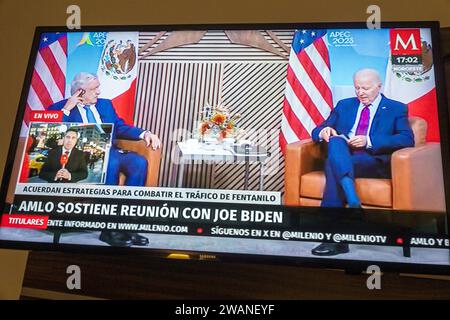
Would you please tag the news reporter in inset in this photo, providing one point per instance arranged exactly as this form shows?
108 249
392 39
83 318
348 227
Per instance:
362 133
85 106
65 163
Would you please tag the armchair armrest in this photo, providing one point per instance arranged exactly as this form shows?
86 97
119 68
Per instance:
417 179
300 158
153 158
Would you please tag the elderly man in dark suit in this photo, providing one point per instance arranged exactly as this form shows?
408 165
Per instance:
362 133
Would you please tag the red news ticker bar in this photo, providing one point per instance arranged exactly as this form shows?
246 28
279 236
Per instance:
46 116
24 221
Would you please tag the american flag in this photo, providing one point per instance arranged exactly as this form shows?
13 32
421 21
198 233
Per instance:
48 82
308 99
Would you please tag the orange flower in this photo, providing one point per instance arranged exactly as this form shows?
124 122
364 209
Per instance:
218 118
204 127
223 134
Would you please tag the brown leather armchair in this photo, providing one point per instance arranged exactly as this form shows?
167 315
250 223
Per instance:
416 184
153 159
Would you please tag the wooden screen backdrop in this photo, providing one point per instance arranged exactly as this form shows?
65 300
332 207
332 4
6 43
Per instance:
179 72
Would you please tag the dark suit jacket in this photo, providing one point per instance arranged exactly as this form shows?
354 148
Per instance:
390 130
76 165
107 115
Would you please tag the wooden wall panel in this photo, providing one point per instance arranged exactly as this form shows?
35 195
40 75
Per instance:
175 84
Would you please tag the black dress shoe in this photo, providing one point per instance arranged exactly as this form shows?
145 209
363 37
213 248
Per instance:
330 249
137 239
116 239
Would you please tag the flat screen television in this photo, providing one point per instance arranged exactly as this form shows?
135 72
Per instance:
322 144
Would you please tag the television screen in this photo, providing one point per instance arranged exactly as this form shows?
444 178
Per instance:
323 144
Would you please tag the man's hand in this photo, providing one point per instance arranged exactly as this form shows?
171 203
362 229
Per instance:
358 142
326 133
63 174
153 140
73 101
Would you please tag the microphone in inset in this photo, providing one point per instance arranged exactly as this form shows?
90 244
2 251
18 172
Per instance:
63 161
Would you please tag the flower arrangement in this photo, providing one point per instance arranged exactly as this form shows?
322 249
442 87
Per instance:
218 122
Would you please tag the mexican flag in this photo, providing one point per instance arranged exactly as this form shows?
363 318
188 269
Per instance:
117 72
417 89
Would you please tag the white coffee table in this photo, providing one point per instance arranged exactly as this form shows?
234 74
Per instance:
214 153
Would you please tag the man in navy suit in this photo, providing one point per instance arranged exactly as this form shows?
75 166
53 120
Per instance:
362 133
84 106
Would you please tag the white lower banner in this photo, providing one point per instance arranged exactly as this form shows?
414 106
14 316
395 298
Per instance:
146 193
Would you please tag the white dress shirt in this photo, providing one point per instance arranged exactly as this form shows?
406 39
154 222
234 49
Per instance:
64 150
97 117
94 112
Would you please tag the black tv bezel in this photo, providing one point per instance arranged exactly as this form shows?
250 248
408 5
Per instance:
238 257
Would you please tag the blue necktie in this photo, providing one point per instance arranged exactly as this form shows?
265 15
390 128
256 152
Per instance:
89 115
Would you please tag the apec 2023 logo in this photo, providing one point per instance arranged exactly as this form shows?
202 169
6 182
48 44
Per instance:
342 38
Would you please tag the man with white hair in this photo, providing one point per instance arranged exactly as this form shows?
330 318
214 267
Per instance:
362 133
84 106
